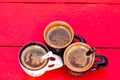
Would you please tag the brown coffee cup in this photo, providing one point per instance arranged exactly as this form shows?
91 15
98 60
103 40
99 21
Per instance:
58 35
80 58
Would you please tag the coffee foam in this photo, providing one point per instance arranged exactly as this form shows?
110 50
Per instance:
76 58
61 36
31 57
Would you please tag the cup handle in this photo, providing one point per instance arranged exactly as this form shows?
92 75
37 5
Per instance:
102 62
57 63
79 38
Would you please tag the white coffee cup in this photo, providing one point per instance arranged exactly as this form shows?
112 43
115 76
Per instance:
57 63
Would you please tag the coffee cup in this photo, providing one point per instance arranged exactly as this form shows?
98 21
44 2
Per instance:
58 35
80 58
34 58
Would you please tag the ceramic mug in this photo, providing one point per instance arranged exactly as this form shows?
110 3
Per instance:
58 35
80 58
34 58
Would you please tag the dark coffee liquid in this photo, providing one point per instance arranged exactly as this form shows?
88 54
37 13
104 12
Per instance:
32 57
78 59
58 36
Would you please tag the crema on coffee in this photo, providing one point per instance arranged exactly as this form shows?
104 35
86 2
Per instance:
58 36
76 58
31 57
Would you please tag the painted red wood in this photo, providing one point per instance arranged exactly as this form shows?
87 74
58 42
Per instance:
89 1
22 23
11 70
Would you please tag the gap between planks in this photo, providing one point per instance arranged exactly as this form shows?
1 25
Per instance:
94 46
62 3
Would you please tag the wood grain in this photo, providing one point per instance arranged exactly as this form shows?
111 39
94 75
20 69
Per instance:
22 23
10 68
64 1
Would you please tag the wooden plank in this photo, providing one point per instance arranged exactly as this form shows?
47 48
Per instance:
22 23
10 68
71 1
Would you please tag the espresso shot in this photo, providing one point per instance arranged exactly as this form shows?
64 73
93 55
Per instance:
35 59
80 58
58 36
76 59
31 57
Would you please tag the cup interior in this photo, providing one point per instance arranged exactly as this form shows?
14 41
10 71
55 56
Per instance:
76 57
32 47
57 24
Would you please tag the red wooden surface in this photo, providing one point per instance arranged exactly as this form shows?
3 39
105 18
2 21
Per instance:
11 70
20 23
85 1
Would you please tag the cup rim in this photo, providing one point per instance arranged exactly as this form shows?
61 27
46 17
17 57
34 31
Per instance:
28 45
83 69
48 28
